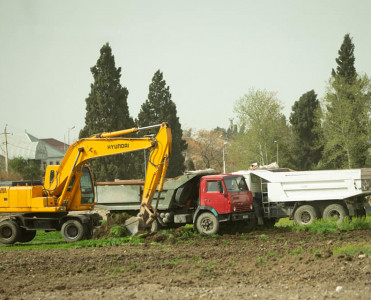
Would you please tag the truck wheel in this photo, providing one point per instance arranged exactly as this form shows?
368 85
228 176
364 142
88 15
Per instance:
251 224
26 235
9 232
335 211
207 223
305 215
72 231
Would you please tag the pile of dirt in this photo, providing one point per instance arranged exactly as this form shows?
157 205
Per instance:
180 233
112 227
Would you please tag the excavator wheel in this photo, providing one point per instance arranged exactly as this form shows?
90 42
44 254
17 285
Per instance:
72 231
26 235
9 232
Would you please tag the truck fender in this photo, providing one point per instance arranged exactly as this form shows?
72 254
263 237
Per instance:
202 209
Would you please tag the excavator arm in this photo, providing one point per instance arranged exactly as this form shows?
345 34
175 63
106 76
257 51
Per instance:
59 179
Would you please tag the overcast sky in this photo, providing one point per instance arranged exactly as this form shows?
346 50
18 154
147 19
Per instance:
210 52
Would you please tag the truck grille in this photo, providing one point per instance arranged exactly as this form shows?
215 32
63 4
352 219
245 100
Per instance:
241 207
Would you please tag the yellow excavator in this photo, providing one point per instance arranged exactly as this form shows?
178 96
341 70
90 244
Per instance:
70 187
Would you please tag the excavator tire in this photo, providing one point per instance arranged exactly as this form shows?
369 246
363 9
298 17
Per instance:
9 232
26 235
72 231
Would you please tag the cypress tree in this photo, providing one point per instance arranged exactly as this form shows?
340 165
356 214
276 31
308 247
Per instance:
107 110
345 62
160 108
305 123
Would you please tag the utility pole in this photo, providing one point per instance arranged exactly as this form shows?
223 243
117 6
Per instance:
276 142
6 150
225 143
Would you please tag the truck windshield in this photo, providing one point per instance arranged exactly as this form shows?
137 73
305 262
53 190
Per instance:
235 184
87 189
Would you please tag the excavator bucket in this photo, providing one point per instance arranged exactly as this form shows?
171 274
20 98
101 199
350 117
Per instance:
135 225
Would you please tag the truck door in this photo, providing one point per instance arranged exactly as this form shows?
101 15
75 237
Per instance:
211 196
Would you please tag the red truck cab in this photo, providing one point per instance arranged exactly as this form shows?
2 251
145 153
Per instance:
223 198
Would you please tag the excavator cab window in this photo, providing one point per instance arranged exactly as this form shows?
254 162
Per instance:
51 176
87 188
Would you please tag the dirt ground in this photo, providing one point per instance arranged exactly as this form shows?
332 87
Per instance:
258 265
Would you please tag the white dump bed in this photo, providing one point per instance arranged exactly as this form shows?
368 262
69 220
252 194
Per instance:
309 185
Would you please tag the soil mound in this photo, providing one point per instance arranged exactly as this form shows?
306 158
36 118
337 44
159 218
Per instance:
113 227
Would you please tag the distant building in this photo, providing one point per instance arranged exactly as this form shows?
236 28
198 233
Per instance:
24 145
56 151
44 152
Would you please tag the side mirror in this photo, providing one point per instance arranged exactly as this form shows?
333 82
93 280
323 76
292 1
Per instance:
220 187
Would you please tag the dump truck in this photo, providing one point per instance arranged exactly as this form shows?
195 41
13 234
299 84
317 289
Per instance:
307 195
202 198
69 187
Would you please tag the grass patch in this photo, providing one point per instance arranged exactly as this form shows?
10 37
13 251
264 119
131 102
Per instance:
285 223
261 260
296 251
263 237
272 254
54 240
353 249
231 264
327 226
189 231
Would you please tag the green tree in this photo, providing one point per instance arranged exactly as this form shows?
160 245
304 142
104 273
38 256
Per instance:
259 113
345 62
305 125
107 110
160 108
27 169
346 125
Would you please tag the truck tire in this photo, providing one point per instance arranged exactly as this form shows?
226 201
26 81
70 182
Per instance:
335 211
26 235
207 223
305 215
251 224
73 231
9 232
